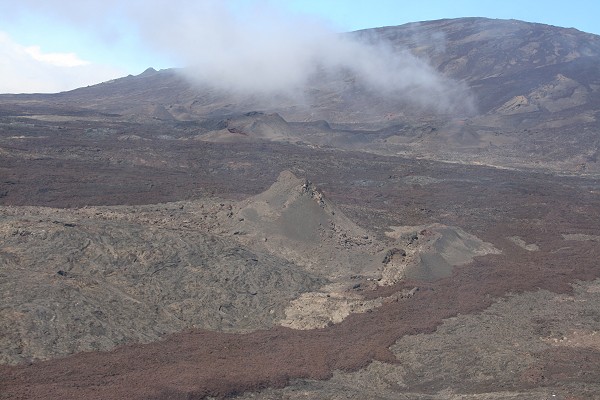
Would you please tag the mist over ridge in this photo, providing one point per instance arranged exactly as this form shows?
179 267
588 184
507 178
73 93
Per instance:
272 53
257 48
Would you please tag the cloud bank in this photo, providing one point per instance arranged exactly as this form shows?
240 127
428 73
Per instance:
256 47
56 59
263 50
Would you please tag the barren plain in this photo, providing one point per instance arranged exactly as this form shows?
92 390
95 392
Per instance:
168 243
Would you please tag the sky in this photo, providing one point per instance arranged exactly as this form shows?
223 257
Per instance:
57 45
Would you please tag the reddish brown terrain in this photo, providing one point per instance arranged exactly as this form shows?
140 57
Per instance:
155 244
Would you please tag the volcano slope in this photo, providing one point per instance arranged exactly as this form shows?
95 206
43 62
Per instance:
522 318
529 98
208 250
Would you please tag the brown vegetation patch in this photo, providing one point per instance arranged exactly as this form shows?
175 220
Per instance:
199 363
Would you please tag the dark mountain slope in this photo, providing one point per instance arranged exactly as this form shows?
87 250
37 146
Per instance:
536 89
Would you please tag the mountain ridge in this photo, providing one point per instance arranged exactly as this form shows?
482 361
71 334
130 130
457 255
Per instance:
535 87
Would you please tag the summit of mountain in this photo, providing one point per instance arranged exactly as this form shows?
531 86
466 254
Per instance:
499 59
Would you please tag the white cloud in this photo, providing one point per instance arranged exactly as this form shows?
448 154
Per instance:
29 69
56 59
251 46
263 49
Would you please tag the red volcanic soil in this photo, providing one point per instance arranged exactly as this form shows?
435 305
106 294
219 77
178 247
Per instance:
492 204
103 157
198 364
